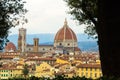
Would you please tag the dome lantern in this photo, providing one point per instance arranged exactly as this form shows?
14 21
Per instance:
65 23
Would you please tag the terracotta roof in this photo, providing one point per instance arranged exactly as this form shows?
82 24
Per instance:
44 59
60 65
89 66
77 49
62 72
34 54
9 55
10 46
65 33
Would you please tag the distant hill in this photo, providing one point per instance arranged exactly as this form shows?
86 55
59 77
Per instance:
84 42
88 45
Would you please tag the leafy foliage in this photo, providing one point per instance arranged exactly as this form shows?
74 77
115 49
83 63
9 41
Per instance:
85 11
58 77
25 70
12 12
61 77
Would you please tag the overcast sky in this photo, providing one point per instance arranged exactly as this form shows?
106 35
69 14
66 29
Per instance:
47 16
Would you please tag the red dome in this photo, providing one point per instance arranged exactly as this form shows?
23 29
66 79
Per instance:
65 33
10 46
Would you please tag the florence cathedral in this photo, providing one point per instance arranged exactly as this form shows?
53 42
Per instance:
65 41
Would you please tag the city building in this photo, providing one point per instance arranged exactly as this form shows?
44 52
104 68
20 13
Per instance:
10 47
22 40
65 41
64 57
89 70
44 70
10 71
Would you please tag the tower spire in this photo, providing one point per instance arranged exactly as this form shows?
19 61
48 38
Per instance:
65 23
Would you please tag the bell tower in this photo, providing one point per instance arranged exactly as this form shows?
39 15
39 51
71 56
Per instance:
22 40
36 44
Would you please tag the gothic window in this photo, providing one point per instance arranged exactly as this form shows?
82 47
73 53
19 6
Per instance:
29 49
68 44
60 44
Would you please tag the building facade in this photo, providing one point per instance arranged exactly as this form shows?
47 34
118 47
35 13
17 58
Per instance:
22 40
65 41
89 70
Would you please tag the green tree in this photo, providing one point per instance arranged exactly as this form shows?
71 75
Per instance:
108 36
104 15
25 70
12 12
85 11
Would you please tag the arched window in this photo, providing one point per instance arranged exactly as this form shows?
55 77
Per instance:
68 44
29 49
60 44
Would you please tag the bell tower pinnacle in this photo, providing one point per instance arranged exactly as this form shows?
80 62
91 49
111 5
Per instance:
22 40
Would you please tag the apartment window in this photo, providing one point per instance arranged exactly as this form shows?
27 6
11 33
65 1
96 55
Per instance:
100 75
6 74
95 74
82 74
11 75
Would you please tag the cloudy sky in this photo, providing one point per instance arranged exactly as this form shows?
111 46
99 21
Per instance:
47 16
